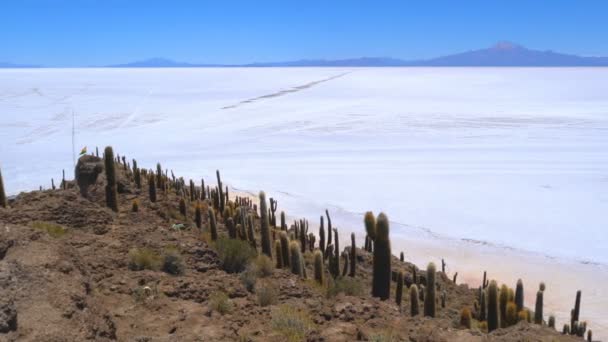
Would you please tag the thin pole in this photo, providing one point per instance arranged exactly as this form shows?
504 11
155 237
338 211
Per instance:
73 138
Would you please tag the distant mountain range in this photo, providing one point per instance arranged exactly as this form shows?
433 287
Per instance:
502 54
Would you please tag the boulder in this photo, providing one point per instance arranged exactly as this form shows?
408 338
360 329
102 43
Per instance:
8 316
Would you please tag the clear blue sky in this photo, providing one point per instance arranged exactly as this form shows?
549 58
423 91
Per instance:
101 32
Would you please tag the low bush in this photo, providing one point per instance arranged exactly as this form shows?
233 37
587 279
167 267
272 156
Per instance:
291 323
234 254
347 285
263 266
267 294
220 302
143 259
173 262
54 230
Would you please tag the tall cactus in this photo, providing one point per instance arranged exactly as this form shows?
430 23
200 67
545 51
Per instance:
212 224
399 291
265 229
318 264
429 298
182 206
329 229
353 255
370 225
222 199
277 254
231 228
284 248
136 174
322 237
151 188
414 306
198 216
519 295
250 233
381 284
111 189
538 310
577 307
296 259
3 199
482 305
503 298
492 306
283 222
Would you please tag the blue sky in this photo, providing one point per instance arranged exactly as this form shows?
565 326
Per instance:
101 32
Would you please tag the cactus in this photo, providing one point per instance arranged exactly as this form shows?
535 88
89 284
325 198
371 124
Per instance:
64 185
482 305
519 295
52 184
346 257
222 199
566 329
337 249
159 176
198 216
399 291
503 298
203 194
182 206
318 263
414 306
492 306
136 174
192 191
542 286
353 255
135 206
465 318
381 284
429 300
485 282
283 222
538 310
284 248
212 224
111 189
551 322
296 258
329 230
370 225
151 188
231 228
455 276
589 336
443 299
577 307
273 209
322 237
265 229
250 233
443 264
3 199
277 253
511 315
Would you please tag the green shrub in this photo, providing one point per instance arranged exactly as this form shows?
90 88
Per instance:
234 254
54 230
220 302
249 277
263 266
173 262
347 285
291 323
267 294
386 336
143 259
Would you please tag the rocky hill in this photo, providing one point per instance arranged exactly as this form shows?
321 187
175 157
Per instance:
140 255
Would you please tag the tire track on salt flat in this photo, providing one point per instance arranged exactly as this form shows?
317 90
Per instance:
285 92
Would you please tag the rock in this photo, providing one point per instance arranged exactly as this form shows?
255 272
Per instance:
8 316
87 170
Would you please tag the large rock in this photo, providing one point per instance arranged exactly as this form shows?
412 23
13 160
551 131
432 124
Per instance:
87 170
8 316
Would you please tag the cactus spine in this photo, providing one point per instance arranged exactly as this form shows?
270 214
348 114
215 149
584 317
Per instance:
111 190
296 258
538 310
399 291
318 263
414 306
429 298
381 284
212 224
265 229
519 295
3 200
492 306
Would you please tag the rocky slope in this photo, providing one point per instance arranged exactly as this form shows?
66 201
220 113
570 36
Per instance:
69 271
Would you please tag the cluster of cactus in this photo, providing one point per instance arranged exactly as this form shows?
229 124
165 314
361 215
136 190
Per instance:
111 188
